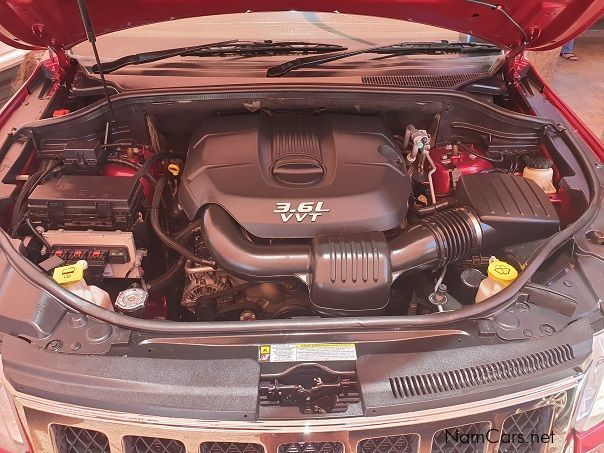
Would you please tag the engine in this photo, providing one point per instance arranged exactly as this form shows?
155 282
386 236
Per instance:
277 216
297 176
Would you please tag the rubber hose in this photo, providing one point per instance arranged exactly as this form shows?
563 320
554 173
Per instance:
165 279
170 243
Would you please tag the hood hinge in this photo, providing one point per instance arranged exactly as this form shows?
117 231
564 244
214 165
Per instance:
63 66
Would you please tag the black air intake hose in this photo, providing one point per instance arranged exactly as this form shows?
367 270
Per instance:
445 237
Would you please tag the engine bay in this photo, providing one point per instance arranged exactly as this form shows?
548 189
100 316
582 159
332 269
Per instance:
278 214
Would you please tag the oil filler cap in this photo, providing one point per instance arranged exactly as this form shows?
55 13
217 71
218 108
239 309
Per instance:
502 272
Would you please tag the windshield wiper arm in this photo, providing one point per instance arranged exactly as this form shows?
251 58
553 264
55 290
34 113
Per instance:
406 48
224 48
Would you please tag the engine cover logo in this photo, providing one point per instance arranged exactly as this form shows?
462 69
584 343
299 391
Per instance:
306 210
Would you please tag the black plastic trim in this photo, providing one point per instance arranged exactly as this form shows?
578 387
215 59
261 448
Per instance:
196 389
438 377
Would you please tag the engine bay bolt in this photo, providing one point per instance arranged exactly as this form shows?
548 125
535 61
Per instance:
596 237
599 165
247 315
75 346
439 297
521 306
54 345
441 292
546 329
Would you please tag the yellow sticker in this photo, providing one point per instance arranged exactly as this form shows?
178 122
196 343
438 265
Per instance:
265 353
68 274
307 352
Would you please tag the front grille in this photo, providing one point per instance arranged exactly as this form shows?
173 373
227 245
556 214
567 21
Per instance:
230 447
406 443
524 430
312 447
140 444
69 439
518 428
488 373
461 439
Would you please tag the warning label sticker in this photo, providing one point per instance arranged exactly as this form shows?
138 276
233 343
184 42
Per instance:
307 352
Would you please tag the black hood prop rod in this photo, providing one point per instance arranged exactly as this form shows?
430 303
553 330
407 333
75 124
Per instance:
91 36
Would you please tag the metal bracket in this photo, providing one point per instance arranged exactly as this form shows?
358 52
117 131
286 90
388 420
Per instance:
312 388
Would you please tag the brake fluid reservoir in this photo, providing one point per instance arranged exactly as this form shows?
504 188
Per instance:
499 275
72 279
539 169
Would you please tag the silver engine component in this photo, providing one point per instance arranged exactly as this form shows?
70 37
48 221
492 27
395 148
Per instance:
202 281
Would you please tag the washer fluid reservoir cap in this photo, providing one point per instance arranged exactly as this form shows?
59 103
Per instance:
502 272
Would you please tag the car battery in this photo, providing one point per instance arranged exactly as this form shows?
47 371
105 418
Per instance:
86 202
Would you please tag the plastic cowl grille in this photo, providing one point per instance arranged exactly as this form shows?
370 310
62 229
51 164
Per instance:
528 426
70 439
312 447
406 443
140 444
461 439
428 80
463 378
230 447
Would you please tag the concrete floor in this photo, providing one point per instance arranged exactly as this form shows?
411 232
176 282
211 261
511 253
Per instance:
581 83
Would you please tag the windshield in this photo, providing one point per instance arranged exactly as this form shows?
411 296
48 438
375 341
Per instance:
350 31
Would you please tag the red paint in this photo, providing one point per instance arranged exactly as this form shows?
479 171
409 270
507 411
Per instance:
60 63
122 170
112 169
446 162
590 440
157 308
60 112
548 23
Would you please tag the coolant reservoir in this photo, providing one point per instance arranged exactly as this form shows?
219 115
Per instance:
539 169
72 278
499 275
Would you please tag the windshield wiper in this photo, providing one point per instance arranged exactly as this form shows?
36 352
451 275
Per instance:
220 49
405 48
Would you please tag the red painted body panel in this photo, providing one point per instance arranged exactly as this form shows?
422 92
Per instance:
445 161
549 23
590 441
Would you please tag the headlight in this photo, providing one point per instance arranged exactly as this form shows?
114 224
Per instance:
11 439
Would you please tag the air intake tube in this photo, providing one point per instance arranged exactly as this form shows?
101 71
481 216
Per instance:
346 274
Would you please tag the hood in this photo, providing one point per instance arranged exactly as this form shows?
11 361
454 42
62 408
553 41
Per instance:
546 24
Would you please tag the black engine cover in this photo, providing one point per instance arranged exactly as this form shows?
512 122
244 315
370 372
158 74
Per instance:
297 176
